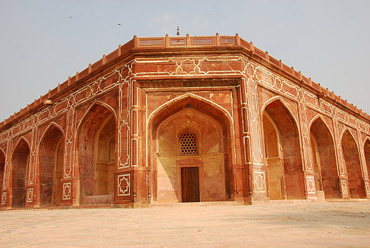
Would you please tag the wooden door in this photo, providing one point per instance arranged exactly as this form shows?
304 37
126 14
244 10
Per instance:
190 184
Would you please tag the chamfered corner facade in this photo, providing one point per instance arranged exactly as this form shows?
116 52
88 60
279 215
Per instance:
184 119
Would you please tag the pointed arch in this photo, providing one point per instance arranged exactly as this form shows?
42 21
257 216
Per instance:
19 166
285 171
51 125
50 158
319 116
186 97
324 159
192 109
22 138
96 177
89 109
346 129
352 161
282 101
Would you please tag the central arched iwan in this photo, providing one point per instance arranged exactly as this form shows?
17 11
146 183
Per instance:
189 153
283 153
352 160
97 156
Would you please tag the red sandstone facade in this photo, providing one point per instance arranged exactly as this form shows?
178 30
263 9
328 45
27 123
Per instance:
168 120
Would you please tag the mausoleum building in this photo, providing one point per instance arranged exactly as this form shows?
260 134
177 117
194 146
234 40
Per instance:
184 119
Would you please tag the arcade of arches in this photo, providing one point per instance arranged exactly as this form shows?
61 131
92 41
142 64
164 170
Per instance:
189 158
184 119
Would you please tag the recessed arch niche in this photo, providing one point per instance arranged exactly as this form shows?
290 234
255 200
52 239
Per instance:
352 161
96 156
283 153
190 146
324 161
51 159
20 162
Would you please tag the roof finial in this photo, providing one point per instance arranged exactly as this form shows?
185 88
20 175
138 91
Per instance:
178 31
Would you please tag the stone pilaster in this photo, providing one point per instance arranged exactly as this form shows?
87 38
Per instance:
31 185
252 138
306 151
242 189
5 192
124 176
343 181
138 146
68 182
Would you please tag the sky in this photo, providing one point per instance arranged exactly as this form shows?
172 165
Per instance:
44 42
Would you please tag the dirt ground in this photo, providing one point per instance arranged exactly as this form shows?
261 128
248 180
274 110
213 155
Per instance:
344 224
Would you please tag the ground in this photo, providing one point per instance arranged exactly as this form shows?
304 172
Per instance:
334 224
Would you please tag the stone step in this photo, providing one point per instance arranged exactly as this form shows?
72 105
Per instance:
98 200
348 200
290 201
195 204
